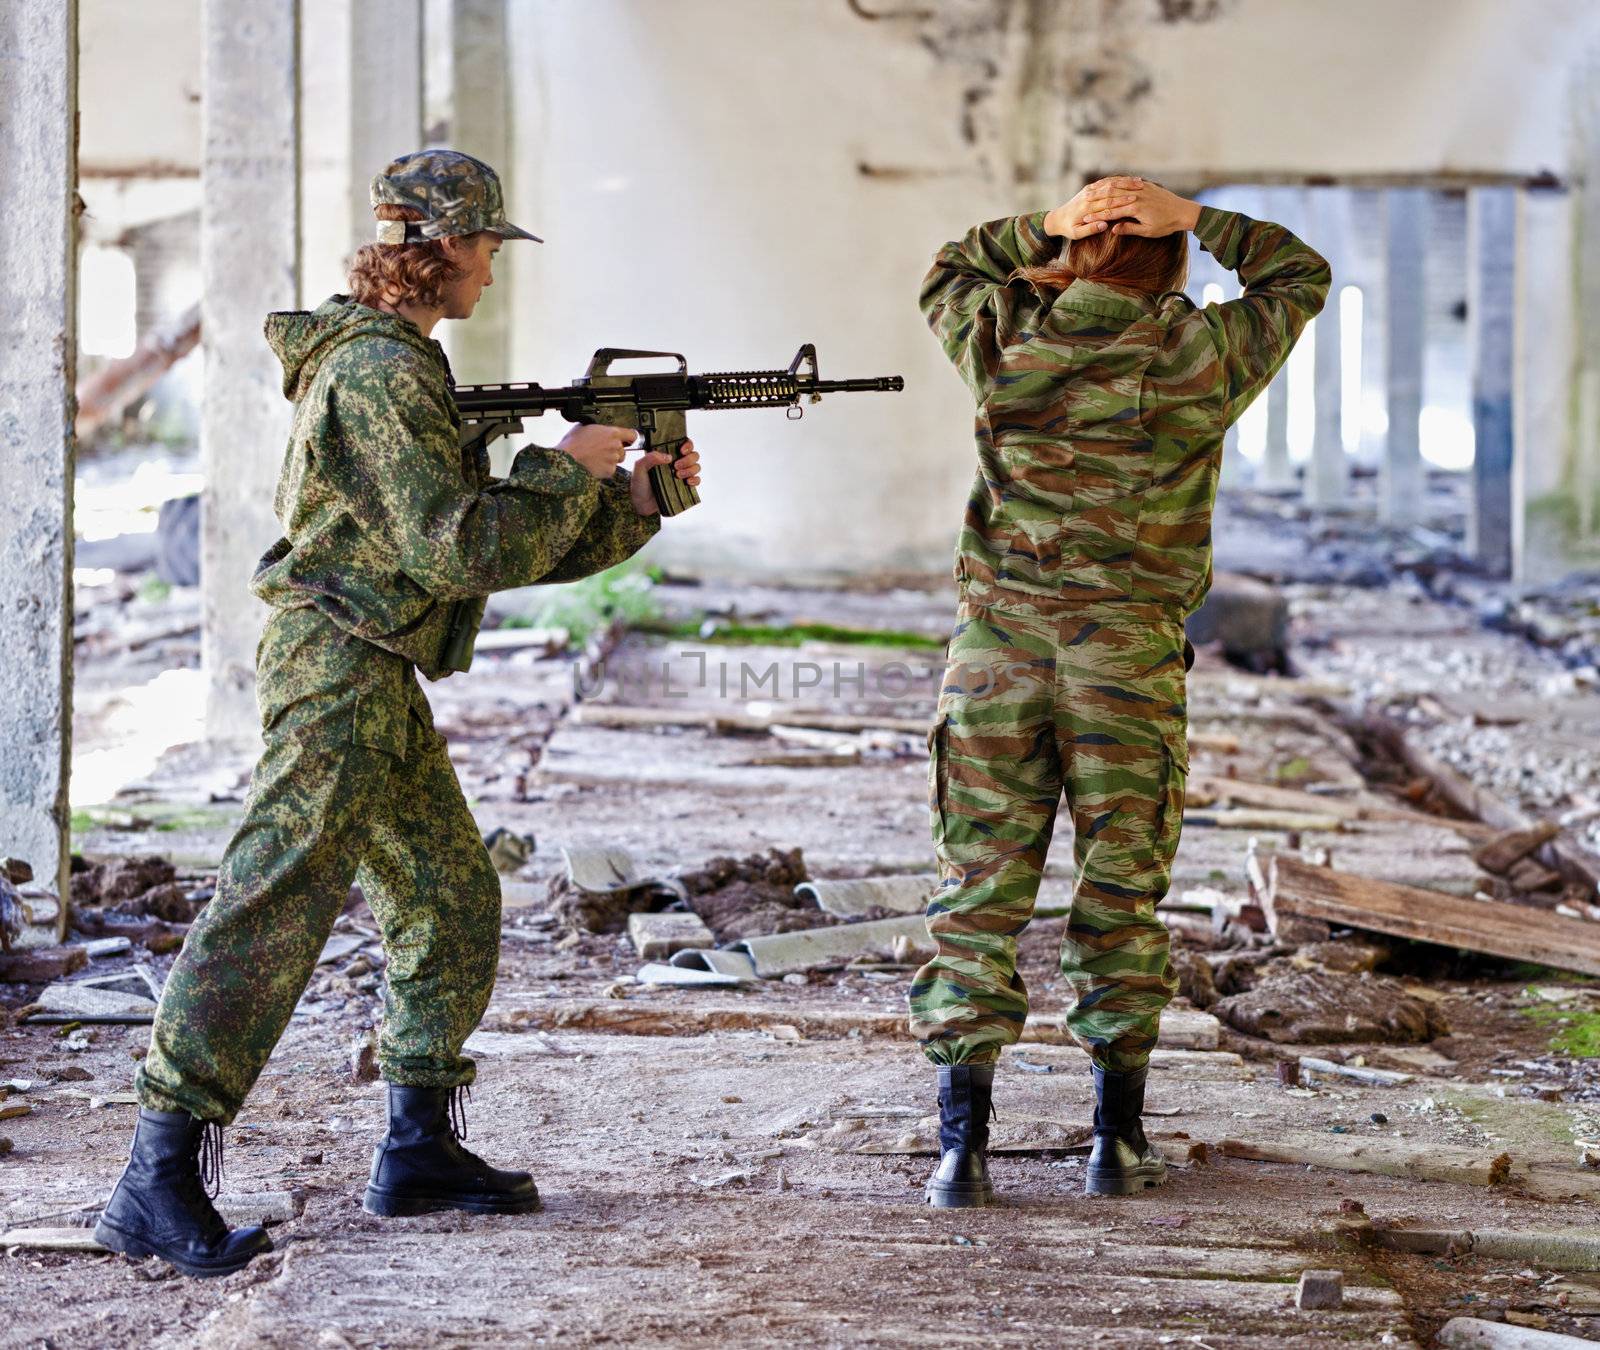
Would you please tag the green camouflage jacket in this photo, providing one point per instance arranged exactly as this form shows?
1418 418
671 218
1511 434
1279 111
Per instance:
1101 409
389 529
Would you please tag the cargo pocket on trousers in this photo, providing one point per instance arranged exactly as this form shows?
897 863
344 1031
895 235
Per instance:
938 778
1174 786
381 724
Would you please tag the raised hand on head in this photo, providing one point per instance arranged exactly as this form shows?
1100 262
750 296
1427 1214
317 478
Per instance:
1093 207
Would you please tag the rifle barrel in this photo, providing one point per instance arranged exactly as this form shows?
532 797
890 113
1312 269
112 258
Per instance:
724 389
882 384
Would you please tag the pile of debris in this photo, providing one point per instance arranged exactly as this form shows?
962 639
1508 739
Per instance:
122 910
749 897
733 920
141 899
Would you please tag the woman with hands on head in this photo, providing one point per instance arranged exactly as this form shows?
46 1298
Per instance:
1102 397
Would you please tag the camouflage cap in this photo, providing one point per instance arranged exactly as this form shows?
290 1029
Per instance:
456 194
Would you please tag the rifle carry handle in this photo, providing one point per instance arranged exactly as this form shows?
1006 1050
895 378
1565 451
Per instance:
660 428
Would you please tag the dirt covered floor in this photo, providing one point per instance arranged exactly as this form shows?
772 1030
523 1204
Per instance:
743 1165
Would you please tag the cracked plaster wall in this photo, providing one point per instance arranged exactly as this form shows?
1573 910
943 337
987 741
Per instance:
750 176
778 173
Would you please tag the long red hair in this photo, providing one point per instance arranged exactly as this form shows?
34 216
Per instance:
1155 266
414 273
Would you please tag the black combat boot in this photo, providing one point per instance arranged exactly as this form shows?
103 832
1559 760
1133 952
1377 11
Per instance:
420 1166
162 1205
966 1099
1122 1161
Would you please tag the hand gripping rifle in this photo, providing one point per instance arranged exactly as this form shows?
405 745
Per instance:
653 405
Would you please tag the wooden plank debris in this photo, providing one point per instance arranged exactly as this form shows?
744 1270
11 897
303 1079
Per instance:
1383 1157
551 641
41 965
1260 818
1505 850
1476 1333
1478 802
1204 790
1180 1029
803 759
688 977
1571 1249
1516 932
109 392
620 717
1355 1072
260 1207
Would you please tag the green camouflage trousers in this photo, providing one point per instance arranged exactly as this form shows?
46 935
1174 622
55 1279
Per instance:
353 775
1089 702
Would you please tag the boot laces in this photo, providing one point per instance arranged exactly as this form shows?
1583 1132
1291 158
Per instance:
211 1158
458 1099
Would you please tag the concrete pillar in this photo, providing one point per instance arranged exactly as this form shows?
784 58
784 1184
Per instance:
469 109
1328 478
1491 252
38 347
250 265
1364 259
1584 544
1401 483
1205 271
361 105
1277 473
1545 365
1235 470
385 98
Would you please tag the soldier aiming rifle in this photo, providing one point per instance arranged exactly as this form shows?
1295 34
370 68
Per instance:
394 532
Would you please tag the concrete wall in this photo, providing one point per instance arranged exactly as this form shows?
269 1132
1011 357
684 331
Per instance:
716 206
763 174
139 64
1363 87
361 106
250 265
1546 354
782 172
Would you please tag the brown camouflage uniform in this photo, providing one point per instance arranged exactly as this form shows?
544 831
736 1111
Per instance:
1087 540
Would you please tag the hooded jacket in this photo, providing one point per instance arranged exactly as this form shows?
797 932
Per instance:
1101 410
389 528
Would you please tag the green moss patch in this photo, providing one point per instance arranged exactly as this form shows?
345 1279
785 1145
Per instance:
794 635
1574 1032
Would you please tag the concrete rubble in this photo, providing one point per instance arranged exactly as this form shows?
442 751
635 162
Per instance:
701 994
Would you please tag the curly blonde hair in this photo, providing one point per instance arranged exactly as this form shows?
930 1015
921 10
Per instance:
414 273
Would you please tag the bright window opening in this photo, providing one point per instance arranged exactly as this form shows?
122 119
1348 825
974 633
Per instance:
107 302
1301 372
1446 437
1253 429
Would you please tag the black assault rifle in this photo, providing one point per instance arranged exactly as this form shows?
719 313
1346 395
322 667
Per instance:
653 405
